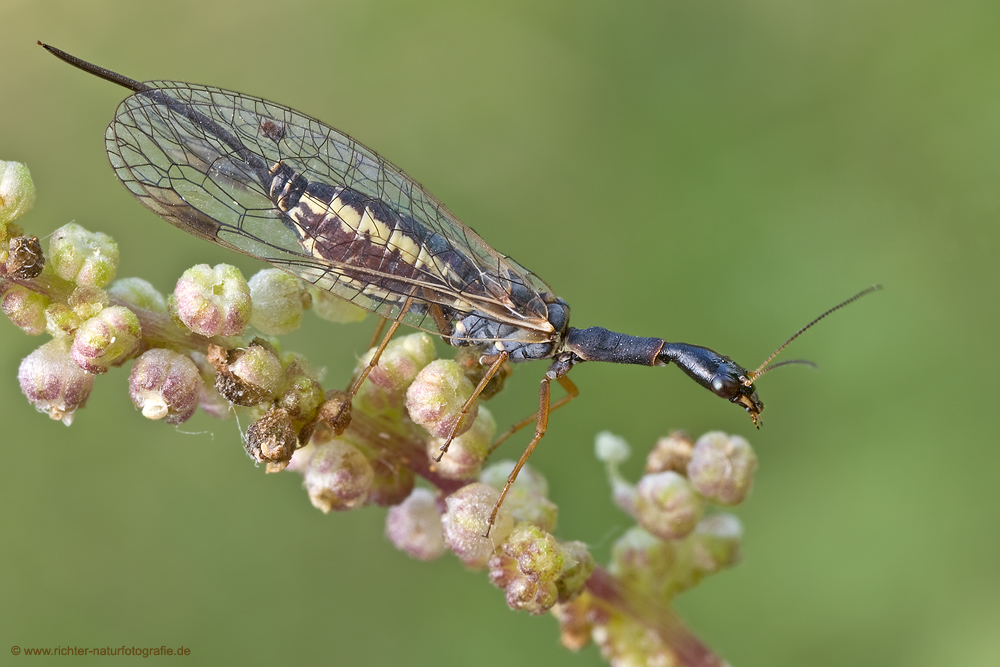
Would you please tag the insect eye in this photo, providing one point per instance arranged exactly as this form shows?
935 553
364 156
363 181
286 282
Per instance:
725 386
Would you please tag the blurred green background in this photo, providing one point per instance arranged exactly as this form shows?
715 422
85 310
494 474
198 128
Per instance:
709 172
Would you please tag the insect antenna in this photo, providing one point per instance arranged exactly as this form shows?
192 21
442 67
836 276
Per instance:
764 368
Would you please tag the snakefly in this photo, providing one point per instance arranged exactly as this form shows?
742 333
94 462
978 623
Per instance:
269 182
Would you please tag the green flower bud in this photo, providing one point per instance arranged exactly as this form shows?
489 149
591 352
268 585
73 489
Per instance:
466 520
61 322
436 397
109 339
278 301
53 382
138 293
715 543
17 191
666 505
258 366
301 396
84 257
526 499
578 565
213 301
87 301
722 467
414 526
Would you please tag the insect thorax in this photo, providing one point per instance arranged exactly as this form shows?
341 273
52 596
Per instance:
521 344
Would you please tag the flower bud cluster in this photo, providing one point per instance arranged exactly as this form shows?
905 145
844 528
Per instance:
675 544
682 476
536 570
341 469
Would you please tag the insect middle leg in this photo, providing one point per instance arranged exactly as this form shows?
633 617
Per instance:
541 424
571 393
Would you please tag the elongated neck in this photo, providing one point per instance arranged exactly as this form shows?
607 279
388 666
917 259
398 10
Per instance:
716 372
600 344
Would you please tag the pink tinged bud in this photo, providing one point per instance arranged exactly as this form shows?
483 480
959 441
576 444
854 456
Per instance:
26 309
465 522
334 309
301 459
213 301
278 301
17 191
722 467
109 339
338 477
414 526
24 257
527 566
671 453
53 382
84 257
401 361
468 452
436 397
666 505
138 293
527 498
165 385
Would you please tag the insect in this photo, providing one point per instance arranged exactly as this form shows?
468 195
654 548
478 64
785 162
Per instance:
275 184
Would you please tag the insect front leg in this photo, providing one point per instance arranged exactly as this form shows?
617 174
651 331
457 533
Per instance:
340 420
500 360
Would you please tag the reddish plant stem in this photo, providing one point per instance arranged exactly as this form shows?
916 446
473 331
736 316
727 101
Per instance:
690 651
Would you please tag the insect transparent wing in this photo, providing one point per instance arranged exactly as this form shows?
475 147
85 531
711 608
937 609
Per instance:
200 156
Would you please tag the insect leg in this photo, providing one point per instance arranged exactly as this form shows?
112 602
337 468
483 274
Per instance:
381 348
541 425
571 393
494 367
377 333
